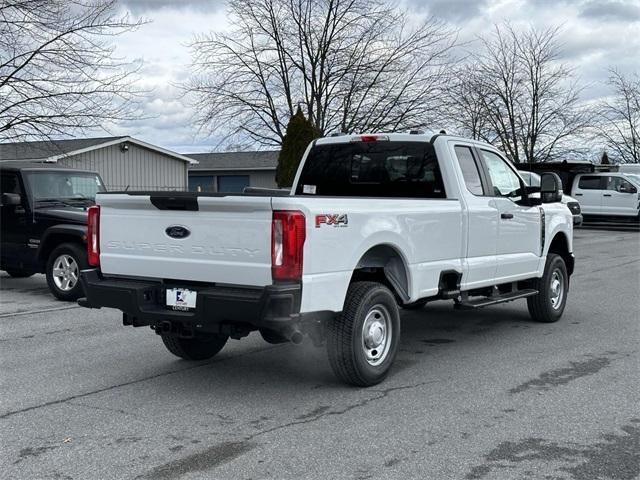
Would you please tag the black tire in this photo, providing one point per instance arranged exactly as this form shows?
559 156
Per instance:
542 307
346 345
79 255
273 337
18 273
194 348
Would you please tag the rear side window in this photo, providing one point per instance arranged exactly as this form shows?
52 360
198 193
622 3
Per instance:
590 183
372 169
469 170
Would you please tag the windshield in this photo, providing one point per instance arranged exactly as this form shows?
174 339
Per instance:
64 186
531 179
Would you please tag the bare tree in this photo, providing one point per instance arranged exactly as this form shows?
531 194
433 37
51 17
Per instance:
57 71
353 65
619 124
466 108
521 96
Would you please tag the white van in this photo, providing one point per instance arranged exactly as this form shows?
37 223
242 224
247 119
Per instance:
610 194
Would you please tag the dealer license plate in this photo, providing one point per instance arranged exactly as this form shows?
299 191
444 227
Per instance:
181 298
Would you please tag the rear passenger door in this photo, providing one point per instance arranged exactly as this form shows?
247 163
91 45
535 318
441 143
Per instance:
519 227
588 191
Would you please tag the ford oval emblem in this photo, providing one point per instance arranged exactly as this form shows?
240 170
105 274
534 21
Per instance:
178 231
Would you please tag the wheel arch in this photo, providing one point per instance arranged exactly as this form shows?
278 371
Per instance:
560 245
57 235
385 263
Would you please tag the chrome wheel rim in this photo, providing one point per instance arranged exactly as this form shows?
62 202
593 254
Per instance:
556 289
65 272
376 335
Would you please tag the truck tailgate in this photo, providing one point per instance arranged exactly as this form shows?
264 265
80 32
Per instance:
224 239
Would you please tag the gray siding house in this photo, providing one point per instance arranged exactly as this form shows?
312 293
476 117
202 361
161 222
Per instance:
122 162
232 171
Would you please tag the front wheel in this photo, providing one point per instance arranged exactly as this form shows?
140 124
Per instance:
363 340
63 271
553 287
199 348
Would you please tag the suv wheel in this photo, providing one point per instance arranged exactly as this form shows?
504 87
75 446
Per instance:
63 271
19 273
200 348
362 342
553 288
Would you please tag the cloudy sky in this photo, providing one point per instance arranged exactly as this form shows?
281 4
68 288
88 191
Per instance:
596 35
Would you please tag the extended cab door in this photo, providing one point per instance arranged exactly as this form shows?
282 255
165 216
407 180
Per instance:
620 197
482 220
519 227
588 190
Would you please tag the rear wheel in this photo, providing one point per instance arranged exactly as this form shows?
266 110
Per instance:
362 342
19 273
553 287
200 348
63 271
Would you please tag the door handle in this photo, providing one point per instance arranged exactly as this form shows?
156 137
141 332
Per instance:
606 195
506 216
577 194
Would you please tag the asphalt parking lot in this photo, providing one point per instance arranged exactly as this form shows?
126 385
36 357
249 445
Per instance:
474 395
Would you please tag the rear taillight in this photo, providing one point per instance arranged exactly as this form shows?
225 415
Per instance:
93 236
287 244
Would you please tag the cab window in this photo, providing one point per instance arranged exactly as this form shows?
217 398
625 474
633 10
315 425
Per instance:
504 180
9 183
590 183
470 170
372 169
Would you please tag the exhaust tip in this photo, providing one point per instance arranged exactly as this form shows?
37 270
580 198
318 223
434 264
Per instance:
296 337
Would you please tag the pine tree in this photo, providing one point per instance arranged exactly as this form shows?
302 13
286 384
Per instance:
300 133
604 160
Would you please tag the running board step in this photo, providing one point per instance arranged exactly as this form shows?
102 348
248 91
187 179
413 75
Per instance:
495 299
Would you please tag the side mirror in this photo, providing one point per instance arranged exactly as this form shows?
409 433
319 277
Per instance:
550 187
625 189
10 199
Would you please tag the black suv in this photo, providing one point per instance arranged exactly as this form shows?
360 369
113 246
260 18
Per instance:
43 212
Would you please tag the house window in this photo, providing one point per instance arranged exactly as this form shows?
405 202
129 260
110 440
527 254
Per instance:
232 183
204 183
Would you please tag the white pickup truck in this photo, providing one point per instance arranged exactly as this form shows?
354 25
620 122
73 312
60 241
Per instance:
372 223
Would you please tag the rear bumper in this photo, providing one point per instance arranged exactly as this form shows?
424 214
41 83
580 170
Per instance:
219 309
577 219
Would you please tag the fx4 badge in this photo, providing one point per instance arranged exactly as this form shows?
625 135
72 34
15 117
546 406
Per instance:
337 220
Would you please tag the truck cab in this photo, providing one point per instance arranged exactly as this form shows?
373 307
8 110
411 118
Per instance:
44 223
608 194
